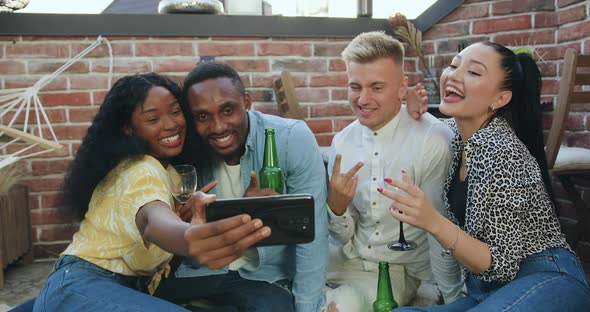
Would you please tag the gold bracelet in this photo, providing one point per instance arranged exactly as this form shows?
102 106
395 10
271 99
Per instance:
454 246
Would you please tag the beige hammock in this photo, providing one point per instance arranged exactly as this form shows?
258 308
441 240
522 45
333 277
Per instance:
25 101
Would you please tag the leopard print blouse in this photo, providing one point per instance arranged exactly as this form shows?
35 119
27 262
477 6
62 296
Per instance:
508 207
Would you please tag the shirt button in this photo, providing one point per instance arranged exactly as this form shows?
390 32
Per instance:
344 217
374 179
378 222
376 153
346 226
376 233
374 203
369 246
374 133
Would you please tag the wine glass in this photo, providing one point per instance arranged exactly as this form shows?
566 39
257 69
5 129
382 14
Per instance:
183 182
396 173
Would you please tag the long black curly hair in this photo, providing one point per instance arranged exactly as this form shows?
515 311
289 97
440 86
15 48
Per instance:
106 144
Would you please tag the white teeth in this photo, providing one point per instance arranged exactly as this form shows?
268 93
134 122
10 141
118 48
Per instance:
223 139
366 109
454 90
170 139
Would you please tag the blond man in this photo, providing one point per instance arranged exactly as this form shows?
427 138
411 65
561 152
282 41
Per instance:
383 136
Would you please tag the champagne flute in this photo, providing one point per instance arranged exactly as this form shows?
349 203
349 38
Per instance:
396 173
183 182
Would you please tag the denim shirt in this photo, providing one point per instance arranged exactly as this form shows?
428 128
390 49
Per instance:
299 157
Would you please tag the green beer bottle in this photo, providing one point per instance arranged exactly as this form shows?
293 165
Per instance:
384 301
271 175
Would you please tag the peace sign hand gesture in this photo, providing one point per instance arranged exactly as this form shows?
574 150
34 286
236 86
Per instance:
342 186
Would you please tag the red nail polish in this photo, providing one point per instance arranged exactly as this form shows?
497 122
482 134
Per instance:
379 189
388 180
404 172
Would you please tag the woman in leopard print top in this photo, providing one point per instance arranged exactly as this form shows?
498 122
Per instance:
502 226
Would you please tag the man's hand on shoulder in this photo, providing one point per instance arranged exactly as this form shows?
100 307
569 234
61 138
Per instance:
417 101
254 190
342 186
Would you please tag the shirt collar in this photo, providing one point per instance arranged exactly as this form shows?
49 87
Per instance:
483 136
388 130
252 130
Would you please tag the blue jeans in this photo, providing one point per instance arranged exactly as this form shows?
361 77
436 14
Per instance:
25 307
229 292
78 285
551 280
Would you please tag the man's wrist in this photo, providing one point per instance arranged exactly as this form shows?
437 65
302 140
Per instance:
335 210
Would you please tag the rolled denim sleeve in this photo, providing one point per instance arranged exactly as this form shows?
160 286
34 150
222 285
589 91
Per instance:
306 174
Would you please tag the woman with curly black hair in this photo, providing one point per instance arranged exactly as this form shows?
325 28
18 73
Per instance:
118 186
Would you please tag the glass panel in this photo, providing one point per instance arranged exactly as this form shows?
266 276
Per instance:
320 8
410 8
66 6
348 8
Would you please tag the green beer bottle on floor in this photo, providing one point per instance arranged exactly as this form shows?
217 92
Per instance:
384 301
271 175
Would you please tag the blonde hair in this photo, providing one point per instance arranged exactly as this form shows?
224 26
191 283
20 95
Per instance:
370 46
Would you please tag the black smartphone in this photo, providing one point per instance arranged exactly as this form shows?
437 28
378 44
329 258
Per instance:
290 217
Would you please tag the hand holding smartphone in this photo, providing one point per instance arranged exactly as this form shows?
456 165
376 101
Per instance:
290 217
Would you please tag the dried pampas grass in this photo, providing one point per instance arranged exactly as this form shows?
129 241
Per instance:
10 175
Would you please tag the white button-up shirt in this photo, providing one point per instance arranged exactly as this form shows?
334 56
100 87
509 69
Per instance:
367 227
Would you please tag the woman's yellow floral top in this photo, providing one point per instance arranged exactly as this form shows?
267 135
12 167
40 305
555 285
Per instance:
108 236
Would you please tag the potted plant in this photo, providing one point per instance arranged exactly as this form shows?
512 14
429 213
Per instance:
406 32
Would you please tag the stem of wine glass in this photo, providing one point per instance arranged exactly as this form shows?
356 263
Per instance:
402 238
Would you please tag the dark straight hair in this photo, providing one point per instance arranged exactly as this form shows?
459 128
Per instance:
523 78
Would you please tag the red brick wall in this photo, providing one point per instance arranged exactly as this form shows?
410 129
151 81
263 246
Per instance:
72 99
